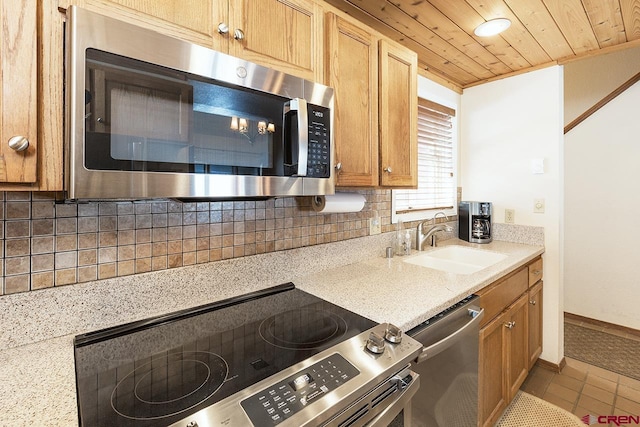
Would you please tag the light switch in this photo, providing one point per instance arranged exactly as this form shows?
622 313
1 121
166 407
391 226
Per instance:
538 205
537 166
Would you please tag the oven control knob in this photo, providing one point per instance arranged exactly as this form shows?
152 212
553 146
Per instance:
375 343
192 424
393 334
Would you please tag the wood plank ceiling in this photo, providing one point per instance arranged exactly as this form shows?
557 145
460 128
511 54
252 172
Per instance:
542 32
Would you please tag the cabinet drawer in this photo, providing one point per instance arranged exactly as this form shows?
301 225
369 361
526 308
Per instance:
535 272
498 296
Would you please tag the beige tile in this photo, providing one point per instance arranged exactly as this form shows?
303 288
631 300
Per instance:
127 252
107 255
17 210
143 265
558 401
88 273
159 249
594 406
189 258
573 372
65 277
629 393
17 265
66 260
15 229
562 392
568 382
627 405
202 256
602 383
107 238
39 227
87 241
598 393
15 284
87 257
17 247
106 271
174 247
630 382
41 245
603 373
42 280
126 268
66 225
143 250
43 262
175 260
67 242
159 263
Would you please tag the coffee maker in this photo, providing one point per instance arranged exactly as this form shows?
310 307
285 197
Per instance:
474 221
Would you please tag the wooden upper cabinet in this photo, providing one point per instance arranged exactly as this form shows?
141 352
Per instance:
18 95
352 70
398 116
282 34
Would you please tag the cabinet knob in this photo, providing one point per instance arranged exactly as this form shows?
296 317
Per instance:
19 143
510 325
532 302
223 28
238 34
338 166
387 169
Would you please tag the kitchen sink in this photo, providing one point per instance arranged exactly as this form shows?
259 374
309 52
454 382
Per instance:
456 259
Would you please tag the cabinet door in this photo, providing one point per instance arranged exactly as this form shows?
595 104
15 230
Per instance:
492 361
398 116
535 323
18 95
518 344
352 70
283 34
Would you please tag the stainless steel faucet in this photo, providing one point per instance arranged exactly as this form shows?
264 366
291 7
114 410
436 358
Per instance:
431 233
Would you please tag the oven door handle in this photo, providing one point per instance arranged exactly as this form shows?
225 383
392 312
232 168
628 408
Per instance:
475 315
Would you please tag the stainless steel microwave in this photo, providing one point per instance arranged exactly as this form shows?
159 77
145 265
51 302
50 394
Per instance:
151 116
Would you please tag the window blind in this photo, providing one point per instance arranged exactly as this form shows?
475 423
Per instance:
436 182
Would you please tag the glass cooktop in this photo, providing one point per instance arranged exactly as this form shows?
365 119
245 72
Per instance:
156 372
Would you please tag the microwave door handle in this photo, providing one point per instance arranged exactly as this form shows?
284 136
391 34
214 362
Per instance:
303 134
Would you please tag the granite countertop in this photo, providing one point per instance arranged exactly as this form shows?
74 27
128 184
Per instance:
37 379
391 290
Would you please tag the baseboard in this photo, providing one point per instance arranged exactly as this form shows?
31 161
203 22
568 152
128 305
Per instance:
600 323
554 367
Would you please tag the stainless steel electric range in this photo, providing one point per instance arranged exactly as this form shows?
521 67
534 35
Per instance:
275 357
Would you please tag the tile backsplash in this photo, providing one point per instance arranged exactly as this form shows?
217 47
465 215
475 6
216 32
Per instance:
49 242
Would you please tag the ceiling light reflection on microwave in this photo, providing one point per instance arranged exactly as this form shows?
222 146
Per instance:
234 123
262 127
271 128
243 125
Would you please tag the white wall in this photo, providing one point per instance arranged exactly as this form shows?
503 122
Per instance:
504 125
602 185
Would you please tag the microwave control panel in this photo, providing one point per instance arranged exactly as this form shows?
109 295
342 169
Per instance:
319 158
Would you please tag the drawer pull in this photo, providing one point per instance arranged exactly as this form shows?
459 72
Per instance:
536 272
510 325
532 302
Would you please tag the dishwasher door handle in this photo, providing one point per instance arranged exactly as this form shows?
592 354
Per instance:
475 315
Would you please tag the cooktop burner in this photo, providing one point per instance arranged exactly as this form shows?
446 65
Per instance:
156 372
303 329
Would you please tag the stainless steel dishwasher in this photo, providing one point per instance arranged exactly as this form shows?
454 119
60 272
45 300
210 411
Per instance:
448 367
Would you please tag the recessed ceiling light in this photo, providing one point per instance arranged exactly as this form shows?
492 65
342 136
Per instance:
493 27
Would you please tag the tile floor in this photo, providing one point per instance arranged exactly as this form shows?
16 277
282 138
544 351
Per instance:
586 389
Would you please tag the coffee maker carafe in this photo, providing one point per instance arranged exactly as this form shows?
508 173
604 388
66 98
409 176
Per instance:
474 222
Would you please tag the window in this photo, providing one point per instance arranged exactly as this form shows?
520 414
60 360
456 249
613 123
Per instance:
437 189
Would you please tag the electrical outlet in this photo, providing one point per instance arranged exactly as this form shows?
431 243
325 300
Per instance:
538 205
374 226
509 216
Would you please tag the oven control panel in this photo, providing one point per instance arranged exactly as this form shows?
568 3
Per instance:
273 405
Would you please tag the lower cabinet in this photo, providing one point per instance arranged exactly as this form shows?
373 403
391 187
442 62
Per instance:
503 360
535 323
510 341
